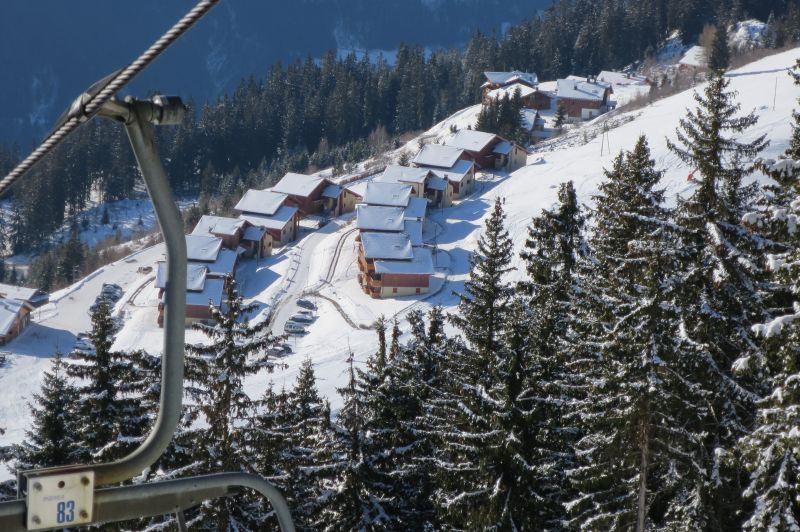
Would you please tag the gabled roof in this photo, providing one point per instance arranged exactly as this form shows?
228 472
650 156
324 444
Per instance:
379 218
264 202
225 263
195 275
694 56
420 264
471 140
455 174
298 184
503 148
413 228
9 310
202 248
277 221
621 78
332 191
436 183
395 173
416 209
438 156
253 234
20 293
395 246
509 90
388 194
580 90
212 293
218 225
504 78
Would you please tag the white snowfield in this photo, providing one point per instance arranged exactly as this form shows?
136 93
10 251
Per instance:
322 265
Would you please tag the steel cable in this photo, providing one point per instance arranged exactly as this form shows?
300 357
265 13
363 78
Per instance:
113 86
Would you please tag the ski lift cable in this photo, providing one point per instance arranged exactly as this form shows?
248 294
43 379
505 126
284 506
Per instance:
94 102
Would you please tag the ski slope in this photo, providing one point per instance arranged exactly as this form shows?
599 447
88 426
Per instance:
345 313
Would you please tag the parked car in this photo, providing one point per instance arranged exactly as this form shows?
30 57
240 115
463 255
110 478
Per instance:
112 292
83 345
305 312
275 352
306 303
301 318
144 269
294 328
287 349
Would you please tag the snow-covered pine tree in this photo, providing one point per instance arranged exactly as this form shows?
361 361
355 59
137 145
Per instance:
769 451
551 253
721 291
52 438
633 453
101 406
350 503
217 369
480 415
307 419
483 306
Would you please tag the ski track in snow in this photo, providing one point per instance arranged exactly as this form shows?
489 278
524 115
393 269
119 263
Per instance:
304 265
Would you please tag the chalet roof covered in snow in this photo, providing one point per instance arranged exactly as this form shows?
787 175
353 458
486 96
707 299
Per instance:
34 296
225 263
277 221
420 264
694 56
503 148
298 184
621 78
436 183
416 209
264 202
9 311
195 275
388 194
253 234
332 191
395 246
509 90
202 248
575 89
456 174
395 173
413 228
212 293
471 140
438 156
218 225
504 78
379 218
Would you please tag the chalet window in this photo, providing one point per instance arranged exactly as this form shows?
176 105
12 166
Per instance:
394 290
418 290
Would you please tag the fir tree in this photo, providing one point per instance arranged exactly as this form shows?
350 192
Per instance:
101 406
483 308
721 292
719 55
793 151
769 450
217 370
52 438
633 453
561 116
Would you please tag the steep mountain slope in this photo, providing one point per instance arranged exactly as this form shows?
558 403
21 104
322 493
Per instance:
323 263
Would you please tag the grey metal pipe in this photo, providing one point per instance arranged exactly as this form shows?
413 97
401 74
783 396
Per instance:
160 498
142 139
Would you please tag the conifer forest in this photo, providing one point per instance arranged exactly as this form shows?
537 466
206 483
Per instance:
635 367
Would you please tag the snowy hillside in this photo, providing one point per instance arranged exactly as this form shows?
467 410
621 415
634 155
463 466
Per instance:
322 264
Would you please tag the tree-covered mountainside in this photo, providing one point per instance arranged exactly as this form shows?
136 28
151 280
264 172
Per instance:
321 113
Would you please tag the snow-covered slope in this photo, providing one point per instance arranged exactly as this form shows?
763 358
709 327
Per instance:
310 265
